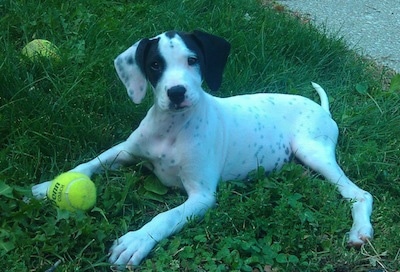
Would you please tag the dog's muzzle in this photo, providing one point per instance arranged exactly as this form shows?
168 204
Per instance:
176 95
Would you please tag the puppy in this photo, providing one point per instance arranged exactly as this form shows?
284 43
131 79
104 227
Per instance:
192 140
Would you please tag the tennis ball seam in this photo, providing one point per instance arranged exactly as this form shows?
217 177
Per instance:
67 191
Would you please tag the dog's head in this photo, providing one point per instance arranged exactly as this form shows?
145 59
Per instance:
174 63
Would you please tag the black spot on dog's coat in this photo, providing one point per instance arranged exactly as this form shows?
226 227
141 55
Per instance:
130 61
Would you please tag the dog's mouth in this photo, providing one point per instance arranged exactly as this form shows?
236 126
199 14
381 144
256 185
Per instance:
180 106
175 107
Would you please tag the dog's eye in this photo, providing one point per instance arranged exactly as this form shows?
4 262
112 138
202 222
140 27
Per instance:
192 61
155 66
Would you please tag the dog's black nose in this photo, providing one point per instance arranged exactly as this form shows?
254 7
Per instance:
177 94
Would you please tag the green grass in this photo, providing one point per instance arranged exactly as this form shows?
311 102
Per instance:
54 116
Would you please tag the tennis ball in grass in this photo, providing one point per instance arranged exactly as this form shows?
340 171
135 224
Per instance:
41 48
72 191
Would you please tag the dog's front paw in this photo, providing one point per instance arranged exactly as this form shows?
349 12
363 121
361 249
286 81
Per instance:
39 191
131 248
359 235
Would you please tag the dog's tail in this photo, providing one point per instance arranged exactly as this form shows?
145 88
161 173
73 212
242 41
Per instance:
323 96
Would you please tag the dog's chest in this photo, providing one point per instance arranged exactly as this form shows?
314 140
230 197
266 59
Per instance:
165 166
161 155
167 145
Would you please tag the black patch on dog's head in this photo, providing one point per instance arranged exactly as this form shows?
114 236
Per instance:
170 34
150 61
212 52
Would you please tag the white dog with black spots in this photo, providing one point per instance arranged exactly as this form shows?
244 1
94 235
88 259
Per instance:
192 140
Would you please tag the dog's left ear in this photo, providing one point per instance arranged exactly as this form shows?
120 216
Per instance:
216 51
130 73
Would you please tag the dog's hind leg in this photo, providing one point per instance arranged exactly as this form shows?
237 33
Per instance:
319 155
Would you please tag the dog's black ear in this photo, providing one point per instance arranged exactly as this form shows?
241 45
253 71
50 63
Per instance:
216 51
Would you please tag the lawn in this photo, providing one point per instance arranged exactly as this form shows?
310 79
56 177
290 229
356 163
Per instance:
57 114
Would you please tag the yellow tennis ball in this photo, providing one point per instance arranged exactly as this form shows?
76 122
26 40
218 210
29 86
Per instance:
41 48
72 191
